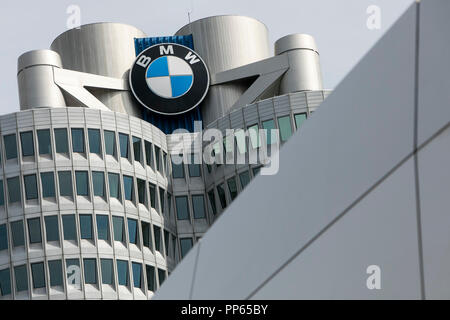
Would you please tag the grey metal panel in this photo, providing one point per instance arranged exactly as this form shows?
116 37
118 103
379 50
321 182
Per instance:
265 109
92 117
314 99
434 182
281 105
380 230
298 101
251 115
8 123
316 166
433 112
237 119
24 119
75 117
42 117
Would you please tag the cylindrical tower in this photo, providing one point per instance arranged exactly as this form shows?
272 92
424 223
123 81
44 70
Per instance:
105 49
35 79
304 72
227 42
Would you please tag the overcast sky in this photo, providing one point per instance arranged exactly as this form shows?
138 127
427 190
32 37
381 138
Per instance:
339 27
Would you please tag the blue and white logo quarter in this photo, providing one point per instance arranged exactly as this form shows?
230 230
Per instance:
169 79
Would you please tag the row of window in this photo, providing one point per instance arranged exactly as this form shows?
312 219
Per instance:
105 275
139 150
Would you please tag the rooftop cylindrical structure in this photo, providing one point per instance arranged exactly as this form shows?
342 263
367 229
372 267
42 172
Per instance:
227 42
105 49
304 72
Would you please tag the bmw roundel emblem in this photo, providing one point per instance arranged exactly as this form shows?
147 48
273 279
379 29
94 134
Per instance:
169 78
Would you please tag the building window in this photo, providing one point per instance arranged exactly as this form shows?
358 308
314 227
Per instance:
148 153
30 182
21 275
65 183
90 271
118 229
152 188
157 158
48 184
157 233
132 231
161 276
14 190
45 146
256 171
26 140
103 227
268 126
232 187
107 271
122 272
177 170
98 180
169 203
212 201
137 274
222 197
10 146
128 188
165 163
141 191
86 226
244 177
161 199
69 227
51 228
78 140
113 179
34 230
198 204
55 271
186 245
17 234
137 149
174 246
146 235
3 238
82 183
5 282
166 242
123 141
73 273
284 124
38 274
61 141
94 141
182 208
150 278
110 142
194 168
254 136
2 194
299 119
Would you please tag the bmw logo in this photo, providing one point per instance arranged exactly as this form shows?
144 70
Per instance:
169 79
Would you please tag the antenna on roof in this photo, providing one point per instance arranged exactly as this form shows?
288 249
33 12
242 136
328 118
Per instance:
191 9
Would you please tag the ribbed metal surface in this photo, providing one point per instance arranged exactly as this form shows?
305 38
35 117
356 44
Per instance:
141 44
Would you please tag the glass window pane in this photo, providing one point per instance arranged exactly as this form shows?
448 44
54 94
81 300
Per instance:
256 171
34 230
162 192
166 242
21 275
132 231
148 153
10 146
94 140
128 187
44 142
212 201
65 183
86 226
299 118
73 272
232 187
146 235
107 271
182 208
110 142
98 180
122 272
284 124
118 229
18 237
82 183
254 136
245 179
268 126
55 270
150 278
51 228
5 282
157 158
222 197
198 204
26 140
30 187
3 238
194 169
137 274
2 194
78 140
152 188
177 170
48 184
90 271
123 141
103 227
164 162
61 142
37 272
69 227
186 245
113 179
137 149
14 190
157 232
161 276
141 190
